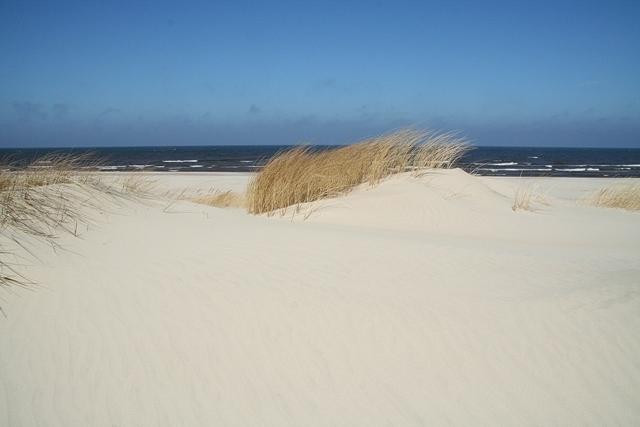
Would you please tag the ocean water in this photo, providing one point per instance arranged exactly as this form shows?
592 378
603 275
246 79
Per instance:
495 161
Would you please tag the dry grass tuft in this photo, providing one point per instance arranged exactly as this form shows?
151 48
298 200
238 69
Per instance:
302 174
621 196
522 200
137 184
39 198
49 197
221 199
528 199
46 170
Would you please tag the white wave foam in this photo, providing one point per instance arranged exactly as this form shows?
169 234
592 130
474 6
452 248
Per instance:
180 161
513 169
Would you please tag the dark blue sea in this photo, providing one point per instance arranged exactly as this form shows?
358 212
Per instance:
495 161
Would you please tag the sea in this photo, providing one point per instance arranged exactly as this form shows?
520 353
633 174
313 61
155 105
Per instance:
491 161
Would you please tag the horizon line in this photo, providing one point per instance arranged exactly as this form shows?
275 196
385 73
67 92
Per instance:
85 147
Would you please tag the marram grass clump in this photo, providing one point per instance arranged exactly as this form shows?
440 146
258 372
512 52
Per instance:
302 174
621 196
51 196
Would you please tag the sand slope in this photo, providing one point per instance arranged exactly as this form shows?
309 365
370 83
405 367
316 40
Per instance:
418 302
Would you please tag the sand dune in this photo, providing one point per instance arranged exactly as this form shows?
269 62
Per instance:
422 301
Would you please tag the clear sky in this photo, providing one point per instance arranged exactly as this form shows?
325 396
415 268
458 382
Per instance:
554 73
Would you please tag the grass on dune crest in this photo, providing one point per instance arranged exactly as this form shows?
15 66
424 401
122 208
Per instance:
31 197
302 174
621 196
46 170
48 197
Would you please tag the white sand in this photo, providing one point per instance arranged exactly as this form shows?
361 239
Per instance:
418 302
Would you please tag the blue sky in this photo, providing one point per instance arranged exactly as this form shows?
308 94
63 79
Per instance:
187 73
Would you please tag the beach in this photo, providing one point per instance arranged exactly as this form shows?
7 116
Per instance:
425 300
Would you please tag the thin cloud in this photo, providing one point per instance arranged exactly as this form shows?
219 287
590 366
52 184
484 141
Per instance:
589 83
328 83
29 111
60 111
109 111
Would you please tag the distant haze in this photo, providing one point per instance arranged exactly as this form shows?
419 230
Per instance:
171 73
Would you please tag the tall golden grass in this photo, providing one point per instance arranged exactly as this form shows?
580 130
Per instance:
621 196
304 174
